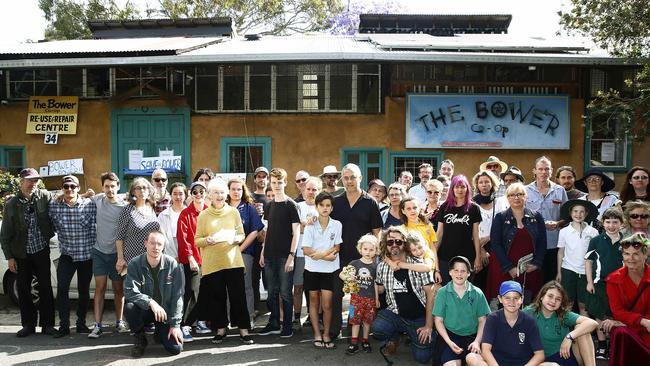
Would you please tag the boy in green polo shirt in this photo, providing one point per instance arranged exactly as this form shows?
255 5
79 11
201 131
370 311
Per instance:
460 311
603 257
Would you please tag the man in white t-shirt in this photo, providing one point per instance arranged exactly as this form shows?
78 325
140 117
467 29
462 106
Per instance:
420 191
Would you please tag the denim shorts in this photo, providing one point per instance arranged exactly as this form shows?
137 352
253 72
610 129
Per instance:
298 271
104 265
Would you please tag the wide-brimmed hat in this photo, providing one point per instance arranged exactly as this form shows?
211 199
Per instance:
493 159
330 169
565 210
513 170
608 183
29 173
380 183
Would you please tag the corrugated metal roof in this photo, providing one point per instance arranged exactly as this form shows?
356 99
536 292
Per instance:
124 45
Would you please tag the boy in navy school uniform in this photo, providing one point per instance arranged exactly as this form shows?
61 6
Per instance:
510 336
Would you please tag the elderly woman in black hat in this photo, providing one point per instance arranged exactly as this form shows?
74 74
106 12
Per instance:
597 185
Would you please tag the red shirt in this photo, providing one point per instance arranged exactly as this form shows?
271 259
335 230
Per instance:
185 235
621 291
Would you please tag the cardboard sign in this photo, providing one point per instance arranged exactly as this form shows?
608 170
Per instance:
52 114
65 167
164 162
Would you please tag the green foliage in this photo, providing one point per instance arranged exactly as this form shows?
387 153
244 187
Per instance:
623 29
9 185
68 18
271 16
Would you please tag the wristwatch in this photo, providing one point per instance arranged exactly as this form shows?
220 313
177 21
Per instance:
568 336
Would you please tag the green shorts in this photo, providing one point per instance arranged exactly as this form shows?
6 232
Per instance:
575 285
598 302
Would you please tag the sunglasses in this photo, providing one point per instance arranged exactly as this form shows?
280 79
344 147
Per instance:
634 245
160 180
301 180
69 186
639 216
194 193
640 177
330 176
393 242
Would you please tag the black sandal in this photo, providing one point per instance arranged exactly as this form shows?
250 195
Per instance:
318 343
329 344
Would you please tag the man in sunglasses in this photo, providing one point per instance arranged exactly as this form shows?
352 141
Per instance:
25 236
74 220
330 177
409 295
301 181
160 194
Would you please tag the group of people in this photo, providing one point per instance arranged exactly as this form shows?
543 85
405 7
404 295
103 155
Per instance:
416 259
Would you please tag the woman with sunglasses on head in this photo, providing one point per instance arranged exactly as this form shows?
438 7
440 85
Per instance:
190 257
636 185
637 218
458 222
629 298
516 233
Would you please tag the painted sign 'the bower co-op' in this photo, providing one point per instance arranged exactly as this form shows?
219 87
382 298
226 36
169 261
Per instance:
487 121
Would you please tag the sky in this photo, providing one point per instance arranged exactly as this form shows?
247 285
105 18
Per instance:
22 20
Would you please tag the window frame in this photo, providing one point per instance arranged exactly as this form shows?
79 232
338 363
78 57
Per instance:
439 155
3 155
363 161
627 159
226 143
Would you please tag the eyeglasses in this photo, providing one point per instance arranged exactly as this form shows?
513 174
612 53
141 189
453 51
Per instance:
594 180
142 188
639 216
197 192
635 245
493 166
516 195
393 242
69 186
160 180
301 180
330 176
640 177
433 192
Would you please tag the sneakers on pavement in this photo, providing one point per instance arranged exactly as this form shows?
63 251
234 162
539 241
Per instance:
187 336
96 333
149 329
246 339
286 333
62 332
352 349
268 330
24 332
121 326
219 338
202 328
139 345
83 329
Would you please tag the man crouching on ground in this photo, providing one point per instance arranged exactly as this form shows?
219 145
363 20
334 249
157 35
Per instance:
154 293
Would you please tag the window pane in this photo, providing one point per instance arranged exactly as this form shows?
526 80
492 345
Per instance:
154 80
341 86
127 80
606 150
372 173
353 158
286 88
72 82
178 81
373 158
97 83
260 87
244 159
206 92
45 82
21 83
233 87
367 94
411 164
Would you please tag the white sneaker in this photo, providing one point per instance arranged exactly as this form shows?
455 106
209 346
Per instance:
202 328
121 326
187 337
96 332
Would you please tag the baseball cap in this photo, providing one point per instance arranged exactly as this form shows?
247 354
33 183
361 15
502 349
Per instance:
509 286
70 179
29 173
262 170
197 184
460 258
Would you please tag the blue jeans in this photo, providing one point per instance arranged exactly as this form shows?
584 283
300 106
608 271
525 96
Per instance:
388 326
279 283
64 273
138 317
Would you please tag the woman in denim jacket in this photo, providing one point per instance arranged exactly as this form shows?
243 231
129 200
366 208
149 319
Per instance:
516 233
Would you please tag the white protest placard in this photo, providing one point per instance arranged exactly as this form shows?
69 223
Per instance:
163 162
134 159
227 176
65 167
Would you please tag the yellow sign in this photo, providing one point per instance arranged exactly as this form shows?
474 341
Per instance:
52 114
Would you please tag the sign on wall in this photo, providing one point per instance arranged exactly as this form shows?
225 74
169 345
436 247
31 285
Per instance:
52 114
65 167
163 162
487 121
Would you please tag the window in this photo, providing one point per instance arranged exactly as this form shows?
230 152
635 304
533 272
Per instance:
27 82
244 154
98 83
72 82
368 88
286 87
233 87
12 158
313 87
207 86
410 161
260 87
370 161
341 87
140 81
603 149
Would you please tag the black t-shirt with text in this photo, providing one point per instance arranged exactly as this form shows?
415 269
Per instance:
281 216
457 231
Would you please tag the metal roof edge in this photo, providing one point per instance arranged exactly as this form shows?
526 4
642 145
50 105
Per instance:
328 57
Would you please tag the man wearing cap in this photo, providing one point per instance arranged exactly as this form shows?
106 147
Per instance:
261 181
301 179
330 177
420 191
496 166
160 194
25 236
511 175
74 220
510 336
566 177
409 296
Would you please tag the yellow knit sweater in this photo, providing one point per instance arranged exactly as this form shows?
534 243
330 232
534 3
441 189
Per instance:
218 256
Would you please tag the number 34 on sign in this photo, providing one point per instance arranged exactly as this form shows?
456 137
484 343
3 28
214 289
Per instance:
51 138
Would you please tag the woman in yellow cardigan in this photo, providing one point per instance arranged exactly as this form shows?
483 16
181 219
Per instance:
219 231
